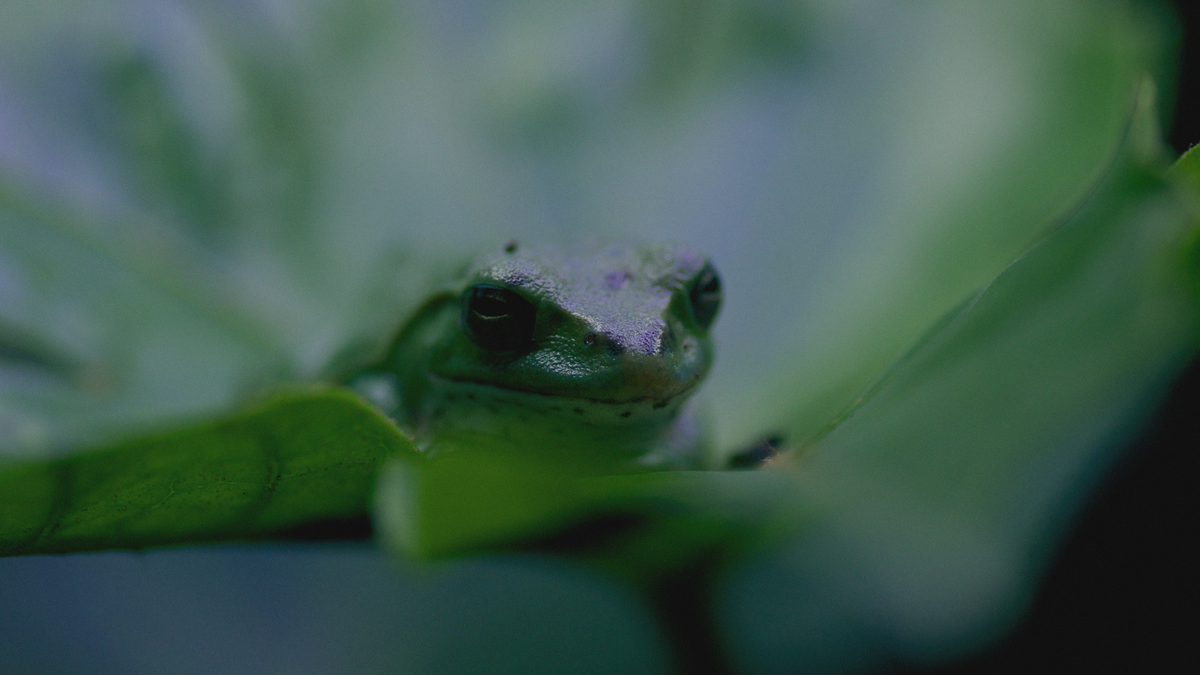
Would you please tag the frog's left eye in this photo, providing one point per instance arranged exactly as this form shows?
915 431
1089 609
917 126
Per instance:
497 318
705 296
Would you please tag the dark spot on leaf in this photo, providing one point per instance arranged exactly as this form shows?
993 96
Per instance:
593 533
627 413
577 411
355 528
758 453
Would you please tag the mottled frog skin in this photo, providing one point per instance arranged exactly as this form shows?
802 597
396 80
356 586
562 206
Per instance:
591 351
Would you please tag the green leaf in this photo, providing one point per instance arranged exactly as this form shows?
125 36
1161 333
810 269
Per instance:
926 514
99 340
474 499
300 458
1188 165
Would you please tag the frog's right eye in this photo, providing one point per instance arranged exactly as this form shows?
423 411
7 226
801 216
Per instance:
705 296
498 319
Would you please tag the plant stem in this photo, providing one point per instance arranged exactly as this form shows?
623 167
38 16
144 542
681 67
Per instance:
683 606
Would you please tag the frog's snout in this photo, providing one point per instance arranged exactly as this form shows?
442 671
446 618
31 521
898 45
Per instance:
657 339
654 361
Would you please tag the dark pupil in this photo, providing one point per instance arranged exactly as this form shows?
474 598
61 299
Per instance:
498 319
706 296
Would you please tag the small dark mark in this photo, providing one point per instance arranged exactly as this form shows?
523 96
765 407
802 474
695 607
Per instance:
593 533
356 528
660 404
627 413
577 411
470 397
756 455
511 246
590 339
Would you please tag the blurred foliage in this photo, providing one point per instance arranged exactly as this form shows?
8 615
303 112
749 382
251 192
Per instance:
200 202
942 492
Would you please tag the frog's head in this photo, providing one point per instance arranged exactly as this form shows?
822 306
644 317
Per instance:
607 336
615 324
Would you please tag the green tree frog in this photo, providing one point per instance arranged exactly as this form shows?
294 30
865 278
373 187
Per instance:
589 352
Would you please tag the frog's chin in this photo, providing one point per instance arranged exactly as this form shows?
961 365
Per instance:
638 434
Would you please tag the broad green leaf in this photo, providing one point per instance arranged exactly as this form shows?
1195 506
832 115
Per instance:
298 459
639 525
468 501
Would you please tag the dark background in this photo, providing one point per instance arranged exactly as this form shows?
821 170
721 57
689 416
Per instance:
1121 595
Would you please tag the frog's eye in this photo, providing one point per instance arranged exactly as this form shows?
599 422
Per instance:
497 318
705 296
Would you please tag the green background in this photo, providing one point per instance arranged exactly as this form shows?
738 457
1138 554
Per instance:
202 202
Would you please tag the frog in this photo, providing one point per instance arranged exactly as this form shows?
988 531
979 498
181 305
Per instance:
591 351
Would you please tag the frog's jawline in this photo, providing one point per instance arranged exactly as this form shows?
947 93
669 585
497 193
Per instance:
659 402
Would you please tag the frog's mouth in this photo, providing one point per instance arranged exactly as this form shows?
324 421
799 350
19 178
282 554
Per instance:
631 379
598 372
634 391
638 399
653 393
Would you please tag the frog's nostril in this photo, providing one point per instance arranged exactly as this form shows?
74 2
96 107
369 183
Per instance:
614 347
606 341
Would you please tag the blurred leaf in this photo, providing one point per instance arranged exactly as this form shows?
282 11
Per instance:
639 524
316 169
474 499
120 341
299 459
942 492
999 117
1189 165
